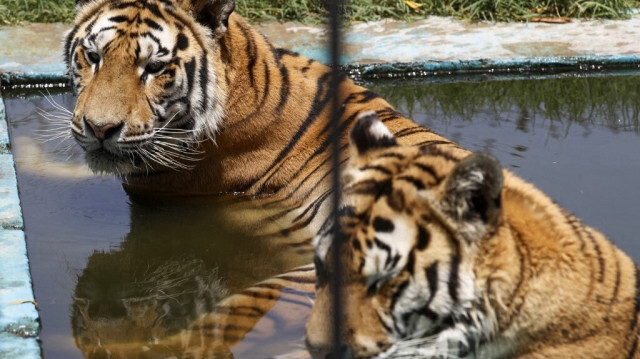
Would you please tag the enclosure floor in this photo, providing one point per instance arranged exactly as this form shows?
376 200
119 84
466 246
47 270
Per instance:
442 43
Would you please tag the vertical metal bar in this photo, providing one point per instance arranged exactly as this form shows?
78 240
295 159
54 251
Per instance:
335 8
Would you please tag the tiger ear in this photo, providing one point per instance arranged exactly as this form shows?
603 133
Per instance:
472 194
213 14
370 133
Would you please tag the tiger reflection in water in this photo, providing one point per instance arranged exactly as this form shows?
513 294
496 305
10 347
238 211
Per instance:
180 311
165 292
135 312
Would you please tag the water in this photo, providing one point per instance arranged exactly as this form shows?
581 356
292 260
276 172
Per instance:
575 138
89 242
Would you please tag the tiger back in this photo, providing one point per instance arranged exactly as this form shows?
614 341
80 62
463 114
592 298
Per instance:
447 255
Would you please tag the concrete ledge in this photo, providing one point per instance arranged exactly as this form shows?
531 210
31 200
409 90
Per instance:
10 212
19 348
420 69
19 320
4 131
35 79
381 49
512 67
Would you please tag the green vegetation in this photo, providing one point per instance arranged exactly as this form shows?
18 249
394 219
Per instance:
17 11
314 10
498 10
310 11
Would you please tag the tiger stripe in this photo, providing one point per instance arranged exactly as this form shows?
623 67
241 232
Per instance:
451 255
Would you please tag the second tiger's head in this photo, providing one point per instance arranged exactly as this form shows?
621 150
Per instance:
411 222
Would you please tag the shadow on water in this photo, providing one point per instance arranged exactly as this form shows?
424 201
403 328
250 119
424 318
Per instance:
135 272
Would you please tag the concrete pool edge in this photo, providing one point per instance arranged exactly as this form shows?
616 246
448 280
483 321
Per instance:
19 319
503 67
427 70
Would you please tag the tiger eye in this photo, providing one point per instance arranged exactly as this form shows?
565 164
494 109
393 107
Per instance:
93 57
155 67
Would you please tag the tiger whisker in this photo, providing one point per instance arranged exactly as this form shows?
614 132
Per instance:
53 103
151 156
66 150
54 118
49 136
174 151
178 149
59 113
183 146
172 129
159 155
143 156
57 129
190 141
53 133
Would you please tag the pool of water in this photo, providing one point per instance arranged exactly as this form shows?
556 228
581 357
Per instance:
93 249
575 138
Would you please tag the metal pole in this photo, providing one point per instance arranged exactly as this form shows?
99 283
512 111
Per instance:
335 21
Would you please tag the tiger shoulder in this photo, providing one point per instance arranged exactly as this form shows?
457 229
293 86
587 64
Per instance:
448 255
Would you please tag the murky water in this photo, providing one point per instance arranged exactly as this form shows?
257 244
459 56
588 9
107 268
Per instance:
575 138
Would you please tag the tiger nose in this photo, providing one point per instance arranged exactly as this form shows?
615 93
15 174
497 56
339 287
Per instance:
319 351
103 131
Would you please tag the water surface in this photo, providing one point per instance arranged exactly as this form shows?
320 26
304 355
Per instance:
575 138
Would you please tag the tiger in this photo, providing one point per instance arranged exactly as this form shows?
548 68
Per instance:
445 254
185 98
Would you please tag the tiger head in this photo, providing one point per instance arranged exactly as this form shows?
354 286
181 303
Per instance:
411 221
149 79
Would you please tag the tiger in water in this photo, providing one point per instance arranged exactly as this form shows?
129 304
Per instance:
445 254
183 98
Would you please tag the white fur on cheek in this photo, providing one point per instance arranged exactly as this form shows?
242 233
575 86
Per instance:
400 240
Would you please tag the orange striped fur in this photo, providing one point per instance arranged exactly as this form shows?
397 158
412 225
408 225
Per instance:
447 255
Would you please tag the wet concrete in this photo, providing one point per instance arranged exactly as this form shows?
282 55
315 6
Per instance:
445 39
32 52
35 47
